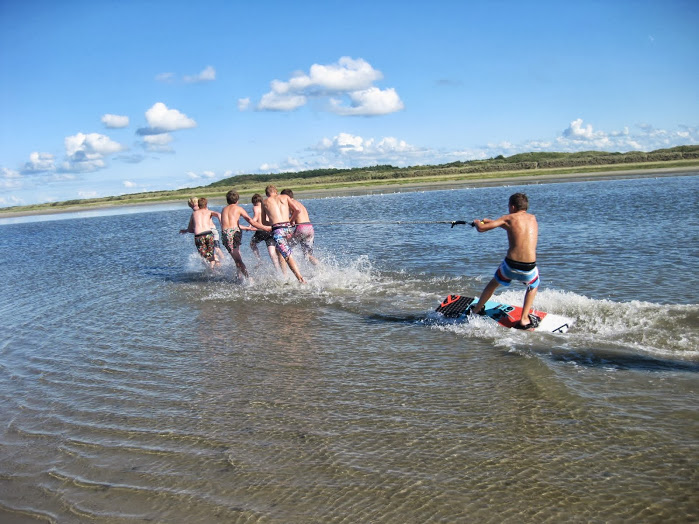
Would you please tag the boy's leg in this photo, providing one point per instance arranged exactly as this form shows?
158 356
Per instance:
527 307
253 248
485 295
235 253
295 269
273 255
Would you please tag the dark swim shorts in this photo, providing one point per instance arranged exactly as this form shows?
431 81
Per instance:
205 245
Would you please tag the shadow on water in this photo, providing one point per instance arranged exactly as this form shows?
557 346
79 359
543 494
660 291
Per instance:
591 358
177 276
417 318
604 359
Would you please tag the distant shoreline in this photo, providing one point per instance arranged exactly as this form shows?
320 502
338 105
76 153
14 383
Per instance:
399 185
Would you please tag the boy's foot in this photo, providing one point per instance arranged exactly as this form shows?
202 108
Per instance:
532 324
470 311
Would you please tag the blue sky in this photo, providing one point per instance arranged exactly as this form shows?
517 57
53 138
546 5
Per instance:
101 98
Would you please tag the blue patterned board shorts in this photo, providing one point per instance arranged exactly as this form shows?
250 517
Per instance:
282 234
524 272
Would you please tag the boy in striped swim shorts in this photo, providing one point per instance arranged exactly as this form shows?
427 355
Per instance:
520 262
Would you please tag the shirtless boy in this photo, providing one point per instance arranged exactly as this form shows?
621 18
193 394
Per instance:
279 208
232 234
200 224
261 235
520 262
304 233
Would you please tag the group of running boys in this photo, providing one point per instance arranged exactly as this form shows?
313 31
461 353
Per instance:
278 220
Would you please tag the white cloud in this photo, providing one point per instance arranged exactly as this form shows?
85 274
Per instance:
281 102
347 75
345 144
207 75
129 184
158 143
163 120
369 102
12 200
243 104
91 143
87 194
10 179
115 121
346 150
348 78
578 138
39 162
165 77
576 131
204 174
86 152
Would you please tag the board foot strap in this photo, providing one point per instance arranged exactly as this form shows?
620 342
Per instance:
454 306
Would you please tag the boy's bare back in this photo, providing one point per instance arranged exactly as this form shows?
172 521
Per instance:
522 234
201 220
277 208
300 214
230 216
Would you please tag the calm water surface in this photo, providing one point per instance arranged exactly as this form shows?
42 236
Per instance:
136 386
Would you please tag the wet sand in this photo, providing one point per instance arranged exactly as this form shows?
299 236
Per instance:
398 186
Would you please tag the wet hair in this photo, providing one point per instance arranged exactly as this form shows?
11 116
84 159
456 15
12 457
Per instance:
203 202
232 196
193 201
270 190
288 192
256 199
519 201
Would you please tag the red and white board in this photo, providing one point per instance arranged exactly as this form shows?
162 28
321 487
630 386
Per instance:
456 307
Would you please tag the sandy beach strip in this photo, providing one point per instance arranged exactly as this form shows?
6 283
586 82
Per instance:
392 186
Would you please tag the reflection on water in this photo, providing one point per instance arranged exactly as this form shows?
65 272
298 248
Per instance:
137 386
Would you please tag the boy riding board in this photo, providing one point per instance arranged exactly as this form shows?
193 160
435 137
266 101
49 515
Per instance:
232 234
520 262
279 208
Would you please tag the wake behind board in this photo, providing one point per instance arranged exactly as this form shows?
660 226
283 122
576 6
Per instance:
456 307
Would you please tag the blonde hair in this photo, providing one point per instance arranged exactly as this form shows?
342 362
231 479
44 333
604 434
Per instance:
193 201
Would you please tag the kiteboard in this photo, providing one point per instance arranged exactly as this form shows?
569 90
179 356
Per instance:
457 307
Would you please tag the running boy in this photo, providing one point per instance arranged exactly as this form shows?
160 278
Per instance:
304 233
520 262
261 235
232 235
279 208
200 224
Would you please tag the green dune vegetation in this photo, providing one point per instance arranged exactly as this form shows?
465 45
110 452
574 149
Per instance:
529 165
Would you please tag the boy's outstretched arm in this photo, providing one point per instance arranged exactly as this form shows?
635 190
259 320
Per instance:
486 224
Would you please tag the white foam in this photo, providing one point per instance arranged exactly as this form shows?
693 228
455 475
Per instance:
353 282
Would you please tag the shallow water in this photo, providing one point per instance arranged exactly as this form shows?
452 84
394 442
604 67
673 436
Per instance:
137 386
